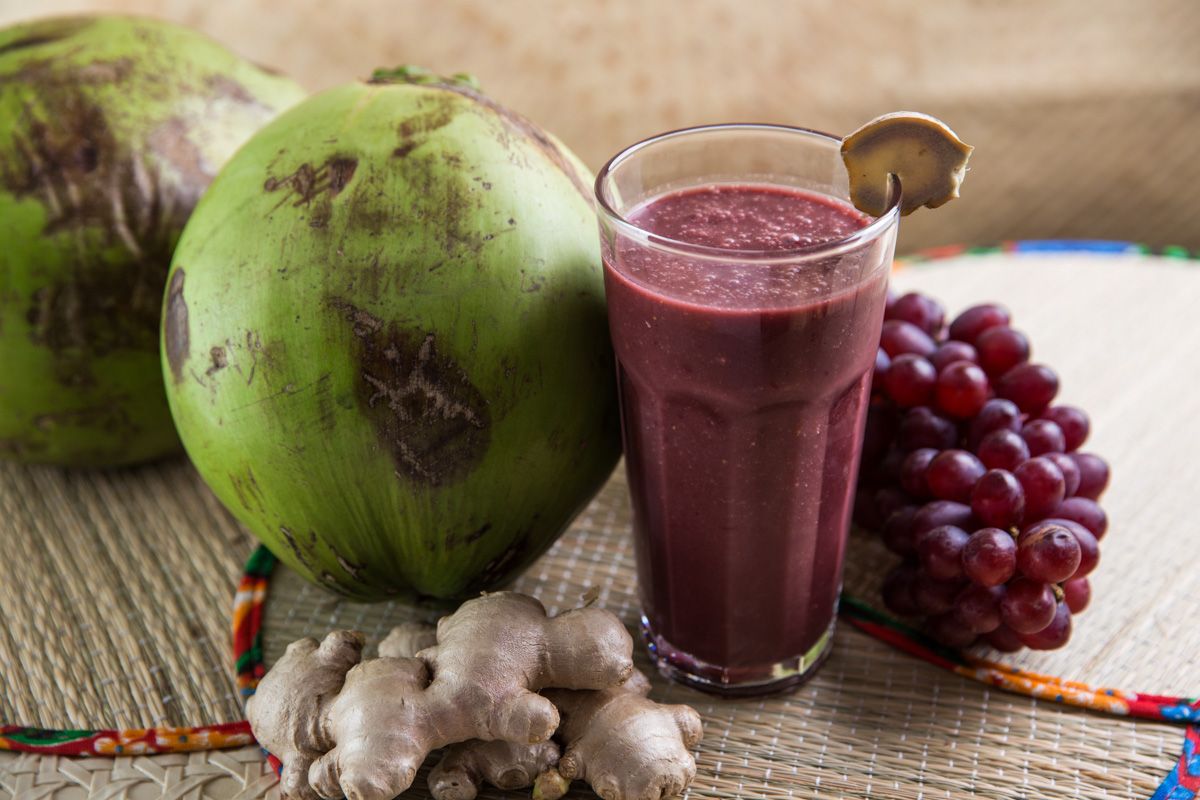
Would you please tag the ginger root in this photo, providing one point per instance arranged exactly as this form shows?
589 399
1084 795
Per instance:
287 710
342 726
381 726
361 729
622 743
465 767
497 651
407 639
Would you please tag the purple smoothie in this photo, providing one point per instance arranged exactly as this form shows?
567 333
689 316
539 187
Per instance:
743 387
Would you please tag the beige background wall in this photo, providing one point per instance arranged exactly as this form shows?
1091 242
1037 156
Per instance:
1085 113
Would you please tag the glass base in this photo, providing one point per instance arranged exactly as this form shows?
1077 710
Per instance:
782 676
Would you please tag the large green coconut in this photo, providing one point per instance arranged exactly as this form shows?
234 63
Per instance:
385 339
110 130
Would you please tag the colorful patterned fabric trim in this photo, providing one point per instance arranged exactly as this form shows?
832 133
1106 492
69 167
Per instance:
1183 783
1044 246
1120 703
248 604
129 742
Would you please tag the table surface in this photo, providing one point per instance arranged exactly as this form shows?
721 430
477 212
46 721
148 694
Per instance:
873 724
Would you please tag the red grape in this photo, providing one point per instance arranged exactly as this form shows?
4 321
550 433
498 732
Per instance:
1073 422
1004 639
1054 635
887 500
898 531
950 351
921 427
1087 513
889 465
878 435
1048 552
898 590
952 475
935 597
940 552
882 362
950 631
979 607
962 389
1070 471
1043 485
920 310
1043 437
940 512
990 557
1002 449
1076 594
967 326
996 414
959 419
912 472
1028 605
910 380
998 499
1000 349
900 337
1030 386
1093 475
1089 548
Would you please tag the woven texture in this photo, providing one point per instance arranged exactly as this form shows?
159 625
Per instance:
876 724
873 723
115 598
1083 112
226 775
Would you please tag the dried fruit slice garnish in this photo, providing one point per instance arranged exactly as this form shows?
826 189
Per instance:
922 151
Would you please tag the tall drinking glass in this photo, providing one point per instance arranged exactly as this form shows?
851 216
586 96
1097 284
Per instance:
745 300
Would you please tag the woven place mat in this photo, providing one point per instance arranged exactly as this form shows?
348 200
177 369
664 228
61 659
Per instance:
114 597
116 587
877 723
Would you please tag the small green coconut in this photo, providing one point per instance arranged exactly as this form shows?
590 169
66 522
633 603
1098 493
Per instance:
110 130
385 339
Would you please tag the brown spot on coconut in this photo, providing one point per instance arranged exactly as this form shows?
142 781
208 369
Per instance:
176 335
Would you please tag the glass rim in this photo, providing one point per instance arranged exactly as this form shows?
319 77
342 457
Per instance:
833 247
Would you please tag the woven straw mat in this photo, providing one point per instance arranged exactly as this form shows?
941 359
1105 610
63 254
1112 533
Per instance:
116 588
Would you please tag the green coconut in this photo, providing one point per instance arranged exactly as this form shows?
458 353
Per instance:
385 339
110 130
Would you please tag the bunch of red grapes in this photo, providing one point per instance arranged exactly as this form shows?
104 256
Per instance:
976 480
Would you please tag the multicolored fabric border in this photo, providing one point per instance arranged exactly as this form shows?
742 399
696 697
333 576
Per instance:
1160 708
1099 247
127 742
1183 782
248 604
